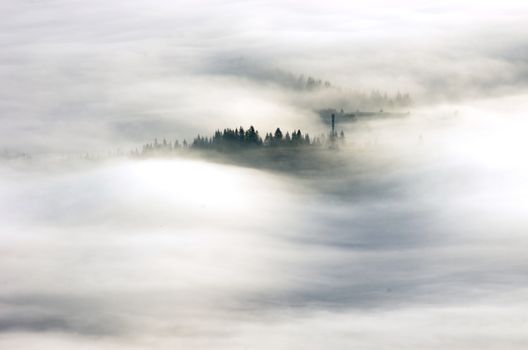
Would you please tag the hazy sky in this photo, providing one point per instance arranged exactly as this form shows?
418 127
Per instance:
92 75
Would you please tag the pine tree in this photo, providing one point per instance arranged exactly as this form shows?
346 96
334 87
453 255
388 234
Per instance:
278 136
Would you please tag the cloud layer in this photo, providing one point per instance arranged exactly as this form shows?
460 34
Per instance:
85 77
418 242
415 241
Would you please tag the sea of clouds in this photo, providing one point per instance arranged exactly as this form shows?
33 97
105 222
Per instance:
416 241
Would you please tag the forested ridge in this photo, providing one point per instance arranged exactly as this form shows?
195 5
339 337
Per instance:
236 139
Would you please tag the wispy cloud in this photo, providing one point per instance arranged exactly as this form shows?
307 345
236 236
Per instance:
74 71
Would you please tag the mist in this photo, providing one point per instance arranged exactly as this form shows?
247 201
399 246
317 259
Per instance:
410 235
82 77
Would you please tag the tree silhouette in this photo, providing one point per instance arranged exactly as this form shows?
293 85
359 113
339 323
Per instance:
237 139
278 136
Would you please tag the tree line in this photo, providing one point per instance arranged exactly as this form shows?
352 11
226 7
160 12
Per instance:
238 138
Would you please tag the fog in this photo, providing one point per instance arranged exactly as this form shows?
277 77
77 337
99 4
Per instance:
417 242
80 77
415 239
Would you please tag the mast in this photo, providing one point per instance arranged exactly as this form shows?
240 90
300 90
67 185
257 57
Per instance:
333 134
